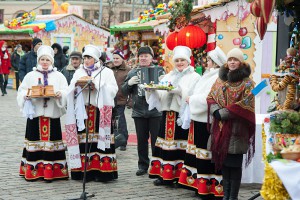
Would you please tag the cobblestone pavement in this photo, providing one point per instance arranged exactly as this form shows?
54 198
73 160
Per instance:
128 186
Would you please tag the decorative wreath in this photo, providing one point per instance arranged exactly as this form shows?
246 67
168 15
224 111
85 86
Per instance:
180 14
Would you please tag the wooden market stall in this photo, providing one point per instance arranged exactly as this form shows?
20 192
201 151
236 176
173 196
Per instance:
65 29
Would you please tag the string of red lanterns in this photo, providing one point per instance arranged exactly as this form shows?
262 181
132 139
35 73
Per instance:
191 36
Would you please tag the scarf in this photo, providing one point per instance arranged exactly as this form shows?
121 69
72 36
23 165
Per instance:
89 70
45 78
236 97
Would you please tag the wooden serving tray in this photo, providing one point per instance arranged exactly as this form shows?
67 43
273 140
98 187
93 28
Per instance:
41 91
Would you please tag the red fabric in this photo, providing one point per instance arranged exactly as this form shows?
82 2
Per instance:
5 63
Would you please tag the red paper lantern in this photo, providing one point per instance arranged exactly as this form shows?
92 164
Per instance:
261 27
192 37
171 40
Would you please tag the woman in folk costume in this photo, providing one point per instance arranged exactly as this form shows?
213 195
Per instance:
171 142
198 171
232 106
102 163
44 152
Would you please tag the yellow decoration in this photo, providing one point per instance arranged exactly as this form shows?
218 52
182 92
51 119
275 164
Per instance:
272 188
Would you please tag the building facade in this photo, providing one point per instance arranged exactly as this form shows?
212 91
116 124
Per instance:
113 11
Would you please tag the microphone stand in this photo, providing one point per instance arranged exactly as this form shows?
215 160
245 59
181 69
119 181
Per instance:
84 195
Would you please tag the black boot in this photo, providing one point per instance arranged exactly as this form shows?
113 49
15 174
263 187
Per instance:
226 189
234 189
4 87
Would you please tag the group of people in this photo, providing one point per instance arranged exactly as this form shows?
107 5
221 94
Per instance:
22 62
199 129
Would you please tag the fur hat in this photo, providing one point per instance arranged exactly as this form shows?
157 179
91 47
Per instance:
35 41
146 50
236 53
93 51
45 51
182 52
218 56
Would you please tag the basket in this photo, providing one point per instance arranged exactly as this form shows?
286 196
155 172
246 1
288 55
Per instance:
291 155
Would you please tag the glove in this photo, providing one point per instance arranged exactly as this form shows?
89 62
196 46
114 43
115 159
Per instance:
176 91
217 115
133 81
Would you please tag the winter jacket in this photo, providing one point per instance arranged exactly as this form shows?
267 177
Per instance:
27 62
140 106
59 58
15 60
120 73
68 72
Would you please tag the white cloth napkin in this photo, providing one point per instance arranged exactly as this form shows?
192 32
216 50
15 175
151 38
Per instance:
28 109
186 118
80 111
153 101
289 174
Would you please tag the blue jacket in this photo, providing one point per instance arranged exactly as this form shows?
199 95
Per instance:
27 62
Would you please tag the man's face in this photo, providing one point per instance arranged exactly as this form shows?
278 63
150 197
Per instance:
75 62
117 60
36 47
145 60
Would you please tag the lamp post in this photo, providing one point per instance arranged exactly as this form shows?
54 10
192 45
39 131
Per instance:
100 12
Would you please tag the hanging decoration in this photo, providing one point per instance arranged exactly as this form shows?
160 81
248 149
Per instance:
261 27
180 14
172 40
267 8
255 9
192 37
20 21
211 38
161 51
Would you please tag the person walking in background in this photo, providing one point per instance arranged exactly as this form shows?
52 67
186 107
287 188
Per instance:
170 146
198 170
232 106
15 60
44 151
59 58
102 162
5 66
66 53
120 71
29 60
145 121
69 70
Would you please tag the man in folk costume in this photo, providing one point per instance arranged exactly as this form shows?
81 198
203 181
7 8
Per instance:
146 121
102 163
232 106
198 172
170 146
44 151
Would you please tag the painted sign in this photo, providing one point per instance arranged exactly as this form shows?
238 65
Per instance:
149 36
132 36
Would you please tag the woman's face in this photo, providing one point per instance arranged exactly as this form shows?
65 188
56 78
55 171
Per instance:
19 49
88 61
233 63
55 50
117 60
45 62
210 63
181 64
4 45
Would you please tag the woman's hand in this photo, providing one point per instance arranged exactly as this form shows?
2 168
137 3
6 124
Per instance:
58 95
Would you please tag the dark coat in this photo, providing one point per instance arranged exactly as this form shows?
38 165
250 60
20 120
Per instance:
120 73
15 60
59 58
140 106
68 72
27 62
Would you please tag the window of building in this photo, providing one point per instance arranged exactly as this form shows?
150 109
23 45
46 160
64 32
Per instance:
1 15
63 40
46 11
128 1
86 14
125 16
96 14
